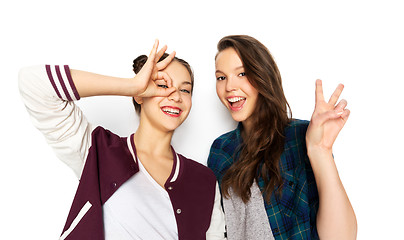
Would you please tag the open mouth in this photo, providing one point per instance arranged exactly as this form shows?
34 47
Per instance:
171 111
236 103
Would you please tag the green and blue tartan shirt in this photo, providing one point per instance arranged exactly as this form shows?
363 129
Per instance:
292 214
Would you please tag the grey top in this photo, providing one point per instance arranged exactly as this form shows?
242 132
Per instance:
247 221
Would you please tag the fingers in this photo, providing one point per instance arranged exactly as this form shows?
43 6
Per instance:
337 93
160 53
164 76
319 91
155 56
345 115
320 119
341 106
164 92
163 64
152 54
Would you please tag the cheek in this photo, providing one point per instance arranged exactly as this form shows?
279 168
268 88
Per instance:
187 100
219 89
190 104
250 90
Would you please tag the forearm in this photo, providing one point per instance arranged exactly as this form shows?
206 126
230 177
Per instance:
92 84
335 218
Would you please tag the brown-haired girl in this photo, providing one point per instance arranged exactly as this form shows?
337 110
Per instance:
130 188
277 174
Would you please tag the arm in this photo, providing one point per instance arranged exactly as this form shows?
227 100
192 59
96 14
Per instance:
335 218
142 85
48 93
216 229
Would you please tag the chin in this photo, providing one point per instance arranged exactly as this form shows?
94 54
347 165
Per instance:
238 117
171 127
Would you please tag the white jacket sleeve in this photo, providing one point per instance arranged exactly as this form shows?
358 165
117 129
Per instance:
216 229
48 93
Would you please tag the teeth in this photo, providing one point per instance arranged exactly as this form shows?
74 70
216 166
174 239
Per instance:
235 99
171 110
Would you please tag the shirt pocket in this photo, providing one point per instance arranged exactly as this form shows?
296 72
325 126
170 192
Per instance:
293 197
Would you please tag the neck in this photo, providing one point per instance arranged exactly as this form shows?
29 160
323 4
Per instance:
153 141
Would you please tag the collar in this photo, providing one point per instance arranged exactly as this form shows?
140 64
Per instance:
176 165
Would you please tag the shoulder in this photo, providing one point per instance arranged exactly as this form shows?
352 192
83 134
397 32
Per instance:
295 153
296 129
225 146
225 139
223 152
196 169
105 138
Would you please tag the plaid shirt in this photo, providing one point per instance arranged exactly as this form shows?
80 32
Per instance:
293 215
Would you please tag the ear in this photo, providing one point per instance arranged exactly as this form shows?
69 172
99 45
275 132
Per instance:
138 100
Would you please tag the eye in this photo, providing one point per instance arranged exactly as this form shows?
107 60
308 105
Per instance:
242 74
220 78
185 91
162 86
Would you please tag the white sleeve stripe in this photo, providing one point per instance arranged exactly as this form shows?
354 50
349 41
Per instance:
71 83
57 83
79 216
62 83
69 86
48 71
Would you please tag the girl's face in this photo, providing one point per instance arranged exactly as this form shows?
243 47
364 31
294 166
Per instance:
233 87
168 113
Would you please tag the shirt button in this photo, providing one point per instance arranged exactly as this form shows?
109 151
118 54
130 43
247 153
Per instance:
178 211
275 230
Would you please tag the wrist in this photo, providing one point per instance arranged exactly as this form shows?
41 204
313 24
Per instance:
132 87
318 152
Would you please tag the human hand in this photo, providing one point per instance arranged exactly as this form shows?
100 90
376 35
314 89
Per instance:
327 120
151 71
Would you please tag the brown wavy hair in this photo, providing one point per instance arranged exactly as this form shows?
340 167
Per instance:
260 152
141 60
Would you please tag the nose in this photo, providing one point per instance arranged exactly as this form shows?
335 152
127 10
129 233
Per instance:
231 84
175 96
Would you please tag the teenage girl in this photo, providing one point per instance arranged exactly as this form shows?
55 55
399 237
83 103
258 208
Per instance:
277 174
130 188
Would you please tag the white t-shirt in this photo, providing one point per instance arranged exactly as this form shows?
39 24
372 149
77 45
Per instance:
140 209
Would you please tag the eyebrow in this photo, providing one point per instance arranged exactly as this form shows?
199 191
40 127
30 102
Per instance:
186 83
237 68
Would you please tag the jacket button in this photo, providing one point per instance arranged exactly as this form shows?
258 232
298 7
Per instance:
178 211
114 184
170 188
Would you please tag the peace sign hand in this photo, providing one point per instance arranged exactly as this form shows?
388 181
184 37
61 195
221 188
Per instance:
327 120
151 72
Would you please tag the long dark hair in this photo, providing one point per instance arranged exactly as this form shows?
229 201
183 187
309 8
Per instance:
141 60
260 152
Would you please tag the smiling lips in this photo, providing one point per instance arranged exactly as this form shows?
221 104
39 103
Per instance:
236 103
171 111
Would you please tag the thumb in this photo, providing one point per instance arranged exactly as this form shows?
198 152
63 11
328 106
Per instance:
329 115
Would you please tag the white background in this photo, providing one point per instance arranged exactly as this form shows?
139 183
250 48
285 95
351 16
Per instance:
357 43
